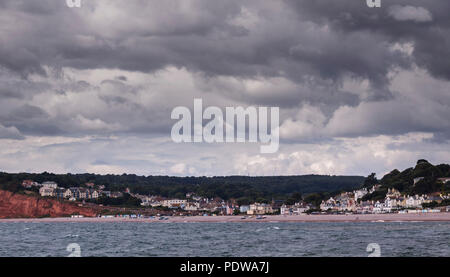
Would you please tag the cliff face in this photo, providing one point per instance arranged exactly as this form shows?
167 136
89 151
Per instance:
20 206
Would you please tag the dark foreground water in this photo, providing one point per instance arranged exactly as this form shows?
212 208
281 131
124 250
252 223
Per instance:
225 239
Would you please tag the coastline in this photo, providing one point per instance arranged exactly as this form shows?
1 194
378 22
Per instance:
429 217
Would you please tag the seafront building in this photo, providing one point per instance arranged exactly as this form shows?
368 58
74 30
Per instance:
260 209
47 192
393 202
243 209
345 202
296 209
172 203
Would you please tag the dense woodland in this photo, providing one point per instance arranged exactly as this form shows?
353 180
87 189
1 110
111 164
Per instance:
404 180
246 189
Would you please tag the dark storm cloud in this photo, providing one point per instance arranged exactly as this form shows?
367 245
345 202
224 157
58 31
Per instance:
313 47
18 88
51 34
205 41
10 133
31 120
430 35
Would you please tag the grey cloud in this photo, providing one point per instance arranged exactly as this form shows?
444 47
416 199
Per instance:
202 37
31 120
430 38
14 87
302 52
121 78
392 117
410 13
10 133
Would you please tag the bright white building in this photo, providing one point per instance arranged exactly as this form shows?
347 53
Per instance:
414 201
50 185
259 209
358 194
192 206
47 191
296 209
174 203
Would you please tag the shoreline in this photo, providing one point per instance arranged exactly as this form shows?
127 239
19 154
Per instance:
429 217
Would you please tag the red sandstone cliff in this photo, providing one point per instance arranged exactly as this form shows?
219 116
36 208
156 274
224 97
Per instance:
20 206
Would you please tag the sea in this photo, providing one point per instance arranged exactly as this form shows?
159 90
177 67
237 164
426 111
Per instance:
138 239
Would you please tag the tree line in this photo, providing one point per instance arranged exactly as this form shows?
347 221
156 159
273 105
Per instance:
245 189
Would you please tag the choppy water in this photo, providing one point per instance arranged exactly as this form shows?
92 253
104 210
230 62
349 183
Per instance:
225 239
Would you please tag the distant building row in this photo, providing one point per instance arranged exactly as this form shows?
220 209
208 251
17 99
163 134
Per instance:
394 201
51 189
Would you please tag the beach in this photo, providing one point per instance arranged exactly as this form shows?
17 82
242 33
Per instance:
410 217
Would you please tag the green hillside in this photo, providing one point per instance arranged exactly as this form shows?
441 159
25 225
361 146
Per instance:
238 187
427 178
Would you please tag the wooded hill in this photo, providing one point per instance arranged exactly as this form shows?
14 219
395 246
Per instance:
427 180
237 187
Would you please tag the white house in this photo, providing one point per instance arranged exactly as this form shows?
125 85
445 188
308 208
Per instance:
330 204
258 209
380 207
50 185
296 209
285 210
95 194
68 193
410 202
414 201
244 208
47 191
174 203
84 193
192 206
393 193
74 193
392 203
30 183
145 201
359 193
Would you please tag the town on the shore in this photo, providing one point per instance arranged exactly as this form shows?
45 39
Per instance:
192 204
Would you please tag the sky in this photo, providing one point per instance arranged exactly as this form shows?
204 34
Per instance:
91 89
